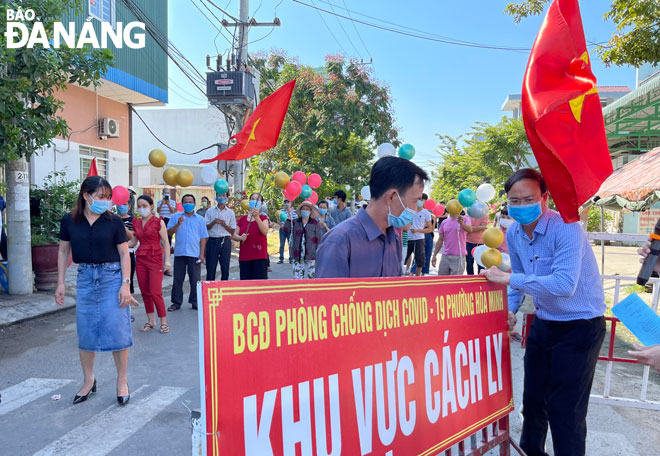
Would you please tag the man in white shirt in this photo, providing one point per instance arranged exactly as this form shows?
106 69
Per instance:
220 223
166 209
416 237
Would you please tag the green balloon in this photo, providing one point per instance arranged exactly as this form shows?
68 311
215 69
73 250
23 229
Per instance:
221 186
467 197
407 151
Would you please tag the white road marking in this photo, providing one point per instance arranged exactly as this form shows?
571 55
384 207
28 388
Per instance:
27 391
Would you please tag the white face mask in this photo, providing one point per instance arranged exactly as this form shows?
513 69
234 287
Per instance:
505 223
144 211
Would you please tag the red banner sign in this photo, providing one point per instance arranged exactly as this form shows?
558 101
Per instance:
403 366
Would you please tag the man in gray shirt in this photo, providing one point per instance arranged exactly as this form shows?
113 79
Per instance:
341 211
367 245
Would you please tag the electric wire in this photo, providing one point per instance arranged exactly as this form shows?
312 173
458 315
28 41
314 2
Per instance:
356 30
346 34
318 10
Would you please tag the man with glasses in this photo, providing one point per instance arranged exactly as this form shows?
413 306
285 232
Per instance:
552 261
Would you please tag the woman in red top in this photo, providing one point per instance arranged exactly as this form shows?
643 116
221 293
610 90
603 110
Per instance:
252 232
152 234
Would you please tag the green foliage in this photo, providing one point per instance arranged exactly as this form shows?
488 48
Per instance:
57 197
636 39
593 220
30 78
337 117
492 154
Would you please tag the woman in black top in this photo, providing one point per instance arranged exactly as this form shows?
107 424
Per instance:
97 240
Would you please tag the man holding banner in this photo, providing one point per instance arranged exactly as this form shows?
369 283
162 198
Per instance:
366 245
552 261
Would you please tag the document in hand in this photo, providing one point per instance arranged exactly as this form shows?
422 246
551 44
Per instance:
639 318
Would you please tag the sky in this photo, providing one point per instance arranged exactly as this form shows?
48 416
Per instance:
436 88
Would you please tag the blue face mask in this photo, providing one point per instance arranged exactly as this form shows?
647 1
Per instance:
254 204
405 218
99 207
122 210
221 199
526 214
305 214
334 201
323 211
420 203
188 207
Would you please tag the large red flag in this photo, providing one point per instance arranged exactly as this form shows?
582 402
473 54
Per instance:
92 169
262 129
562 112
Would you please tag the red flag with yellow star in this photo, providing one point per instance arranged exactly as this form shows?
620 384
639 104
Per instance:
562 112
262 129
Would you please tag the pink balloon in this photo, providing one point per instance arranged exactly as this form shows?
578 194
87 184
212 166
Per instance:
179 207
299 177
314 198
120 195
439 210
430 204
293 189
314 181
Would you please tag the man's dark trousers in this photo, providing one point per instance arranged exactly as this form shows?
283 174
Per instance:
560 360
218 250
469 259
284 238
181 265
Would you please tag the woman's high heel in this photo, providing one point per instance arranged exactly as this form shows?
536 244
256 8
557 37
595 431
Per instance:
78 399
123 400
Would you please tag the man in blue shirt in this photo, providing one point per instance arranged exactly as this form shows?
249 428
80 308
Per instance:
341 211
189 248
367 245
552 261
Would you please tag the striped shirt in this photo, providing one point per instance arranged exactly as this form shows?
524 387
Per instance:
557 268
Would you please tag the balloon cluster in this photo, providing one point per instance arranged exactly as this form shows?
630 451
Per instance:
299 185
487 255
406 151
475 202
171 176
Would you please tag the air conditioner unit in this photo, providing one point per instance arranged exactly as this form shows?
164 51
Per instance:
109 128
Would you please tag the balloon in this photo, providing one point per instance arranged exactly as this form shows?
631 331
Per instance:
366 193
278 213
283 216
169 176
221 186
430 204
306 191
406 151
209 174
478 252
493 237
179 207
292 191
314 198
467 197
184 178
485 192
491 257
299 177
478 210
314 180
438 210
386 150
282 179
245 204
454 207
120 195
157 158
505 265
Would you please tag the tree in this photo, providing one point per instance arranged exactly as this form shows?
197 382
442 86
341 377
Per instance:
337 117
29 117
491 154
636 39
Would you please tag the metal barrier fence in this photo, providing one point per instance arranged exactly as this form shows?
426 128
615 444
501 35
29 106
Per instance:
492 436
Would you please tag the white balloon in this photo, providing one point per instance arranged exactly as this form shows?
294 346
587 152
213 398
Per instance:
386 149
366 193
505 265
348 187
478 252
485 192
209 174
478 210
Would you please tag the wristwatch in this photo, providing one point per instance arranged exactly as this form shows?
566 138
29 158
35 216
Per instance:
126 281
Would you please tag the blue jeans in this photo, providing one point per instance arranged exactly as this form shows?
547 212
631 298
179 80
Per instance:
102 325
284 238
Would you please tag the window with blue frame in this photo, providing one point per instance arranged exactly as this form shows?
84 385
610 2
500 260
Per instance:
103 10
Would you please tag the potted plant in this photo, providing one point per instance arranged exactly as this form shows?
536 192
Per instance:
54 199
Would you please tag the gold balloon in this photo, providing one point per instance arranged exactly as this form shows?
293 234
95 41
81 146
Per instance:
277 215
245 205
169 176
282 179
491 257
493 237
453 207
184 178
157 158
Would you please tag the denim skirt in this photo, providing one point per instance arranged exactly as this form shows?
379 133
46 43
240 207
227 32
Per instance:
102 325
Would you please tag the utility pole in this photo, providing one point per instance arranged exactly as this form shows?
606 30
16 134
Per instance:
19 263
